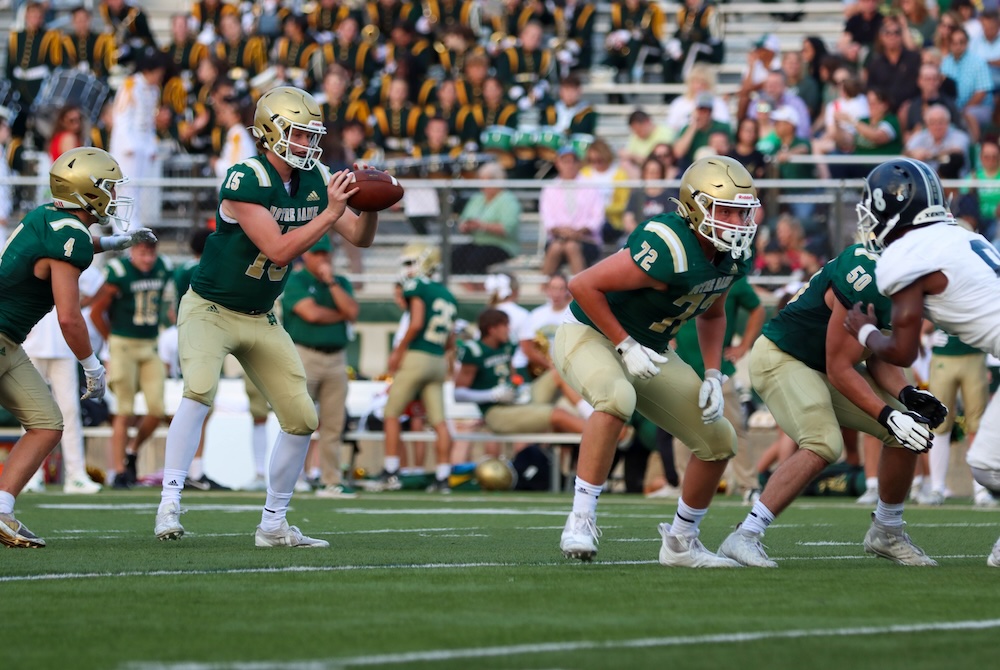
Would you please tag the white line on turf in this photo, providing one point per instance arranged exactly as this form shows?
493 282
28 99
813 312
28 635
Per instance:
582 645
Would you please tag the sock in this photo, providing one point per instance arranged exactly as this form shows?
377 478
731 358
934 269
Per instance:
314 473
6 503
940 453
584 409
173 485
442 471
392 464
196 471
889 515
759 518
871 483
287 459
686 519
585 497
260 448
183 437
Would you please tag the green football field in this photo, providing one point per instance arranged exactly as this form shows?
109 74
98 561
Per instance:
474 580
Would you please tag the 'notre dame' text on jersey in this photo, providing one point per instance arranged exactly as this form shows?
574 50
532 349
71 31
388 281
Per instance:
492 365
233 271
668 250
135 311
800 328
440 309
46 232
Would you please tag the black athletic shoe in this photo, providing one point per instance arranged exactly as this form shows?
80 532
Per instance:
203 483
121 482
131 474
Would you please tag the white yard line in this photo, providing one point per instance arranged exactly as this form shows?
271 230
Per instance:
563 647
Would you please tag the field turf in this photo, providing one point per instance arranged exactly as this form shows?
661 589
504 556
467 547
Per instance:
420 581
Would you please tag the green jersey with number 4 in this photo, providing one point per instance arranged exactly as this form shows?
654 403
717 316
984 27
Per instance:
45 232
667 249
440 310
135 311
233 271
800 328
492 366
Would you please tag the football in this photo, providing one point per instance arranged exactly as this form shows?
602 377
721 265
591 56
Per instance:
376 191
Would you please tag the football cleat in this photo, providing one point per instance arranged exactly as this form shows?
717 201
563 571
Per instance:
746 549
16 535
687 551
168 522
439 486
869 497
338 492
83 485
894 544
579 536
930 498
983 498
993 560
287 536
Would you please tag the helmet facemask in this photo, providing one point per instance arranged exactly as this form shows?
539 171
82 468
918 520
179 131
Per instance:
285 148
737 239
872 231
106 205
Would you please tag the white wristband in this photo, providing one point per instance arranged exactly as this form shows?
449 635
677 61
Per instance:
865 331
90 362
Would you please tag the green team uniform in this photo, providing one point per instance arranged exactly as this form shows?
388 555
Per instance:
302 285
182 277
492 366
800 328
135 311
957 366
741 296
668 250
439 318
241 278
955 347
45 232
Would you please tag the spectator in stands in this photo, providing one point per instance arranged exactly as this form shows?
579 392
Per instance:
570 114
340 105
445 106
988 197
918 24
492 217
780 146
849 51
878 133
700 80
493 110
837 132
791 236
296 54
911 113
575 19
601 169
763 58
68 132
939 142
237 145
572 218
892 67
184 51
773 262
863 26
638 28
245 57
971 75
469 86
399 123
650 200
813 52
798 81
32 55
351 52
695 135
404 44
206 17
129 26
86 49
987 45
775 94
698 39
745 148
644 135
528 66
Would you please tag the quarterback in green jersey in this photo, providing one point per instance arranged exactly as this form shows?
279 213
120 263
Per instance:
40 268
272 208
805 366
627 308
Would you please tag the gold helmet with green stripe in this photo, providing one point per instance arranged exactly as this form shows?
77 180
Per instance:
86 178
714 186
280 113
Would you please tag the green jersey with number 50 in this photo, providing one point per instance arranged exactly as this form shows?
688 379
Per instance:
233 271
45 232
135 311
800 328
440 310
668 250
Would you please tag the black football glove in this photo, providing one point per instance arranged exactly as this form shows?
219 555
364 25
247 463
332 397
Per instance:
925 404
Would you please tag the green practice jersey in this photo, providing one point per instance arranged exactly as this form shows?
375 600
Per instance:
301 285
800 328
439 316
45 232
741 296
492 365
135 311
668 250
233 271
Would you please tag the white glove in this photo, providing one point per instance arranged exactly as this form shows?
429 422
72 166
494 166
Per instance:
516 92
129 239
673 48
710 397
939 338
524 104
909 428
97 382
640 361
503 394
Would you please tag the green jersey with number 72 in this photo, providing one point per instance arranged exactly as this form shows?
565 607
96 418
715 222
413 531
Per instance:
440 310
668 250
800 328
233 271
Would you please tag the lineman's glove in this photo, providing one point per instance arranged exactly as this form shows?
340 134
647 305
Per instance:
503 394
96 383
640 361
710 397
909 428
925 404
129 239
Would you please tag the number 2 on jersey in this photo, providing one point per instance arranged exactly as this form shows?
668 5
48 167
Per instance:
440 323
645 257
988 253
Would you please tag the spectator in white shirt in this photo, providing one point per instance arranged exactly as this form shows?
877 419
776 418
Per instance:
987 45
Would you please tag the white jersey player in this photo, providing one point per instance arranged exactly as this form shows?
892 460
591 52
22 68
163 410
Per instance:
931 268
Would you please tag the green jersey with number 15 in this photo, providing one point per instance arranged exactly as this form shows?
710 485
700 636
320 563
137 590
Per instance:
135 311
667 249
233 271
800 328
439 315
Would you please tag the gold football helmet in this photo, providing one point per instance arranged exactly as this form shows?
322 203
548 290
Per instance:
86 178
419 260
282 110
714 182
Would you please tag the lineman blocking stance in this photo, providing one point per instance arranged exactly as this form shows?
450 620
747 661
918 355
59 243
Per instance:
626 309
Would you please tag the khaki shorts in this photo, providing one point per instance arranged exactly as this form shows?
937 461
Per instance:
589 363
807 407
208 332
508 419
948 375
420 375
134 365
23 391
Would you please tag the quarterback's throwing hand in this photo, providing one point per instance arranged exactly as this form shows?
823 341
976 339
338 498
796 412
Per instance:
909 428
640 361
710 397
96 383
925 404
